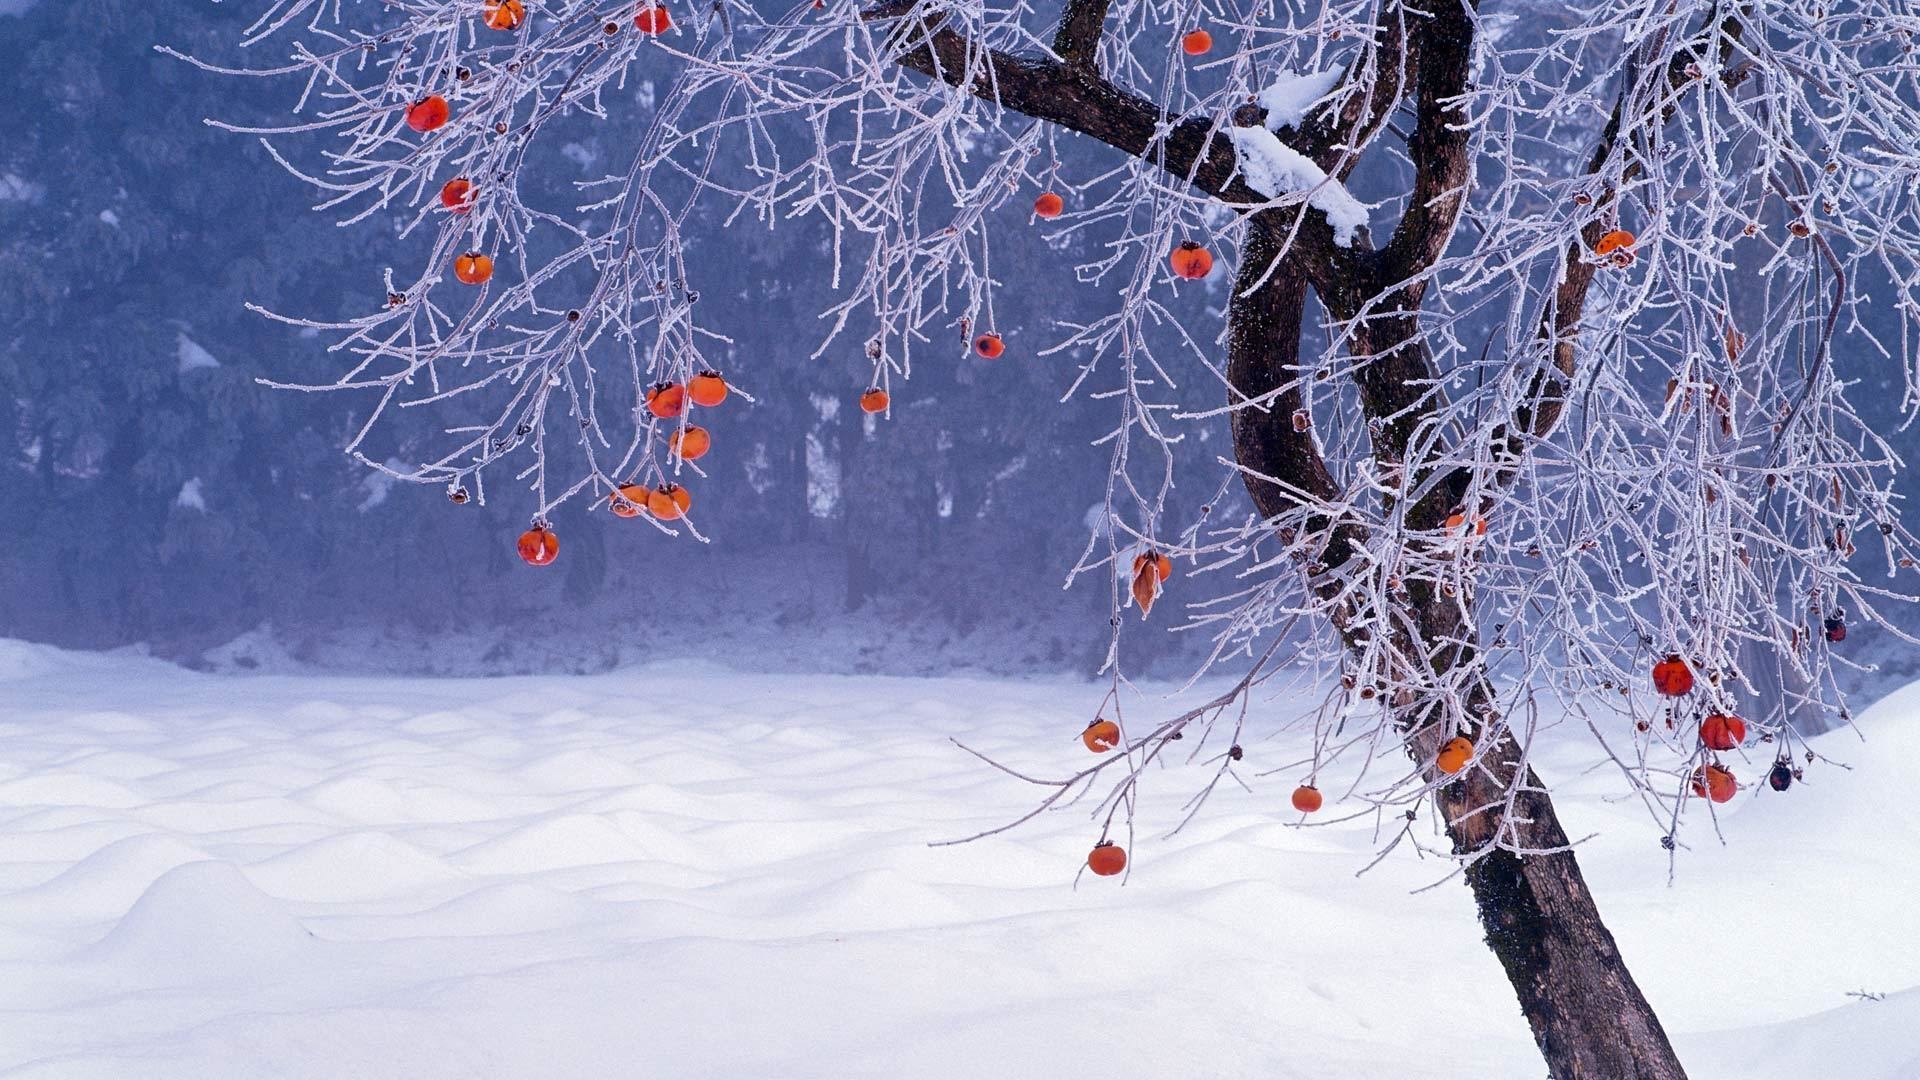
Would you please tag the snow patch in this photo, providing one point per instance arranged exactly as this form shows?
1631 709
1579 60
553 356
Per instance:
1292 95
191 354
191 496
104 883
278 876
204 920
113 219
14 188
351 867
378 484
1275 169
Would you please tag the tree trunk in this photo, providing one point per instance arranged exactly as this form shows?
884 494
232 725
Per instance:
1588 1017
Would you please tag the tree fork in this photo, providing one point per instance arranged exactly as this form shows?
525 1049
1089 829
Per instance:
1588 1016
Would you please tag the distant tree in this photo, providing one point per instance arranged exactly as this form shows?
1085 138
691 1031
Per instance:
1557 416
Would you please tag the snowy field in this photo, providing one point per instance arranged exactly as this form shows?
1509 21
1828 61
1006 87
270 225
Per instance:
687 874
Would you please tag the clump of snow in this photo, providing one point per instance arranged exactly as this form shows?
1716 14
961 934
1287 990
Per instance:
111 218
191 354
1275 170
378 484
204 921
15 188
191 496
1292 95
259 649
22 659
205 876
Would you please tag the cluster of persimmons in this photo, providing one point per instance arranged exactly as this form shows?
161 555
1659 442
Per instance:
459 196
668 502
1672 677
1721 731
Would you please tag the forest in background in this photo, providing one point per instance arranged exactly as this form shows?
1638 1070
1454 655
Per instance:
170 500
164 498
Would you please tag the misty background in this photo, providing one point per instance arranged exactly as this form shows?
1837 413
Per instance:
159 497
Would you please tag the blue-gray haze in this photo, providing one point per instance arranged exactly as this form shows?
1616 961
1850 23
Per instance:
157 495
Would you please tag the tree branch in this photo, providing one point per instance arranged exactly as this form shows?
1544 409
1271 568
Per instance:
1441 150
1077 42
1545 400
1364 116
1396 375
1194 150
1264 320
1385 69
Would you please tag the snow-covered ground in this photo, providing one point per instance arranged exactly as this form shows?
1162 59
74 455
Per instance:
684 873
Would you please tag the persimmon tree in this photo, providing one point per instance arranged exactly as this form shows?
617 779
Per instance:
1530 334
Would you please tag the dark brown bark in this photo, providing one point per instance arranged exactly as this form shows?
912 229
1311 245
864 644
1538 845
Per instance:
1263 351
1588 1016
1078 40
1442 39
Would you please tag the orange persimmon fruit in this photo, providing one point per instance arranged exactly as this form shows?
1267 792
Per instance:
690 444
1721 731
1454 755
539 546
1107 858
1714 782
666 400
428 113
1196 42
1613 241
473 268
1049 205
1306 798
1101 736
457 195
1671 677
873 400
669 502
653 19
707 389
628 500
1191 261
505 14
989 346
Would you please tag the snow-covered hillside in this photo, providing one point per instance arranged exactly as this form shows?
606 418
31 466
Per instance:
685 873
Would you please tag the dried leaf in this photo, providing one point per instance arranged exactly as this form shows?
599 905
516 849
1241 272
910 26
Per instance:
1146 582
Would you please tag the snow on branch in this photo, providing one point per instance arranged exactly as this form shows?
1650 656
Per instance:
1278 171
1292 95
